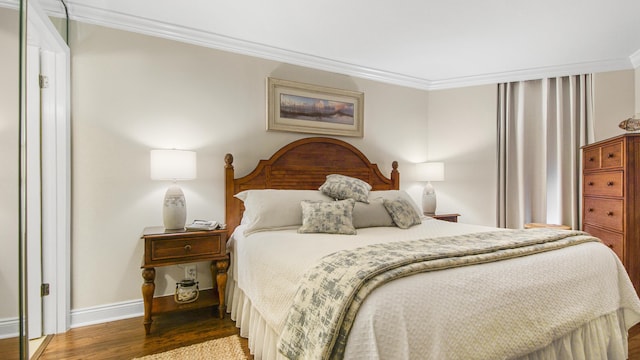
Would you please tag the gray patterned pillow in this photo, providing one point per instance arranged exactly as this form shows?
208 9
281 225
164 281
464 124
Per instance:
402 213
345 187
332 217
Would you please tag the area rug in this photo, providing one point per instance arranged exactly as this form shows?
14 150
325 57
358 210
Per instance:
224 348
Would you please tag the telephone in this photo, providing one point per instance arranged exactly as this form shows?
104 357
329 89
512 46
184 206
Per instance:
204 225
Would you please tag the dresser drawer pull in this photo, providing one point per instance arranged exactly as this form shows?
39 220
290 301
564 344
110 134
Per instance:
592 159
590 183
609 213
610 155
187 248
610 246
610 183
590 210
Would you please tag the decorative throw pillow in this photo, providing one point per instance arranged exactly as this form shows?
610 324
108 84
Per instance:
371 215
394 194
345 187
332 217
402 212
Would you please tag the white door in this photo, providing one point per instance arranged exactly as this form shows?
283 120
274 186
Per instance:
48 259
33 195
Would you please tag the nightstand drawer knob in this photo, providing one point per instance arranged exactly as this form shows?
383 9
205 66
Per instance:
610 246
187 248
609 213
610 183
590 210
610 155
590 183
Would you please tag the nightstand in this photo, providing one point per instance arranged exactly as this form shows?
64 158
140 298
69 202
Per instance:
173 247
446 217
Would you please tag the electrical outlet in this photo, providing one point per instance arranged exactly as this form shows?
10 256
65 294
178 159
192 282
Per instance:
190 272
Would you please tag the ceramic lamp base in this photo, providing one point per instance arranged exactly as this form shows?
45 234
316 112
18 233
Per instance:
174 211
429 200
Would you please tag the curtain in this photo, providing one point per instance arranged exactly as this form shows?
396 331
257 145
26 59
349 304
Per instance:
541 126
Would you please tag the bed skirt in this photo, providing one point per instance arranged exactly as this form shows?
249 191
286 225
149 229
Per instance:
602 338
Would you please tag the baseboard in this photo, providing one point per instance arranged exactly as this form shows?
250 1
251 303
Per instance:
106 313
9 328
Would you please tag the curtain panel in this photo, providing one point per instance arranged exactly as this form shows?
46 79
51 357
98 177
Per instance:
541 126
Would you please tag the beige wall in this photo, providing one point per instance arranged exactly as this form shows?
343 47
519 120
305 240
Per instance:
614 98
9 163
462 134
637 91
132 93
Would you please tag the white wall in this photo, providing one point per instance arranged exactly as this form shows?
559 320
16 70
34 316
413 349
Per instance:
132 93
9 121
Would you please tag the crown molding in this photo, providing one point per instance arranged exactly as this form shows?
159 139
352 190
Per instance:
97 16
11 4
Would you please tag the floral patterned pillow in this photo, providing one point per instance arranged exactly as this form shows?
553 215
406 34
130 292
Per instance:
332 217
402 213
345 187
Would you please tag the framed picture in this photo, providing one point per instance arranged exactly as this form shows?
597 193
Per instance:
298 107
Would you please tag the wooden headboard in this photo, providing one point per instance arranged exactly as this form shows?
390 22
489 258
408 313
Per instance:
303 164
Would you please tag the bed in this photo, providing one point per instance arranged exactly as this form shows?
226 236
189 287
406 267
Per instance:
298 289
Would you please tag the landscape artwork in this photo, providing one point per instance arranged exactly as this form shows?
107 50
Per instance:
314 109
308 108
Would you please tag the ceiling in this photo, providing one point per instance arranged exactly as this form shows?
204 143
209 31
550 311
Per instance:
427 44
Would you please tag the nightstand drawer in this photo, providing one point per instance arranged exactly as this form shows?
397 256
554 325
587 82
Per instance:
606 212
604 183
163 249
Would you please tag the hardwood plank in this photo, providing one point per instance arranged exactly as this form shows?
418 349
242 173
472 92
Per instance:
125 339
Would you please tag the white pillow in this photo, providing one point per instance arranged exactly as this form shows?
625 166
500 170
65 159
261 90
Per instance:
372 214
272 209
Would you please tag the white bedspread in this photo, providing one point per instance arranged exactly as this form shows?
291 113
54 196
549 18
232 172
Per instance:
469 312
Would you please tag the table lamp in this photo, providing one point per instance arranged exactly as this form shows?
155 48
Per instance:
173 165
430 171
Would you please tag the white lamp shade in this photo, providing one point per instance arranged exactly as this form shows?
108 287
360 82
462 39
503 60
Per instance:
431 171
173 165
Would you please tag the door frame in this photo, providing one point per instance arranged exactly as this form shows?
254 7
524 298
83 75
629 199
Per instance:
56 170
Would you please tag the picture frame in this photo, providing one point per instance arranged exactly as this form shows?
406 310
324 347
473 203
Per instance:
306 108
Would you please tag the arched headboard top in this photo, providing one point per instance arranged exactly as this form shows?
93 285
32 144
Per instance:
304 164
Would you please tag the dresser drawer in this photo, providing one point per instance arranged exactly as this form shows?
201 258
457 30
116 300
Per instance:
604 212
605 183
611 156
184 248
611 239
591 159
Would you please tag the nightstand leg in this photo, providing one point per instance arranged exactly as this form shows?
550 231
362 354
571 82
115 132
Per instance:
219 276
148 287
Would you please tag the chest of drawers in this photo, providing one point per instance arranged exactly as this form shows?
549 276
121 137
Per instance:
610 205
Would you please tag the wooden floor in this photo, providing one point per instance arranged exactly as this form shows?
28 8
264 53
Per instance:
125 339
